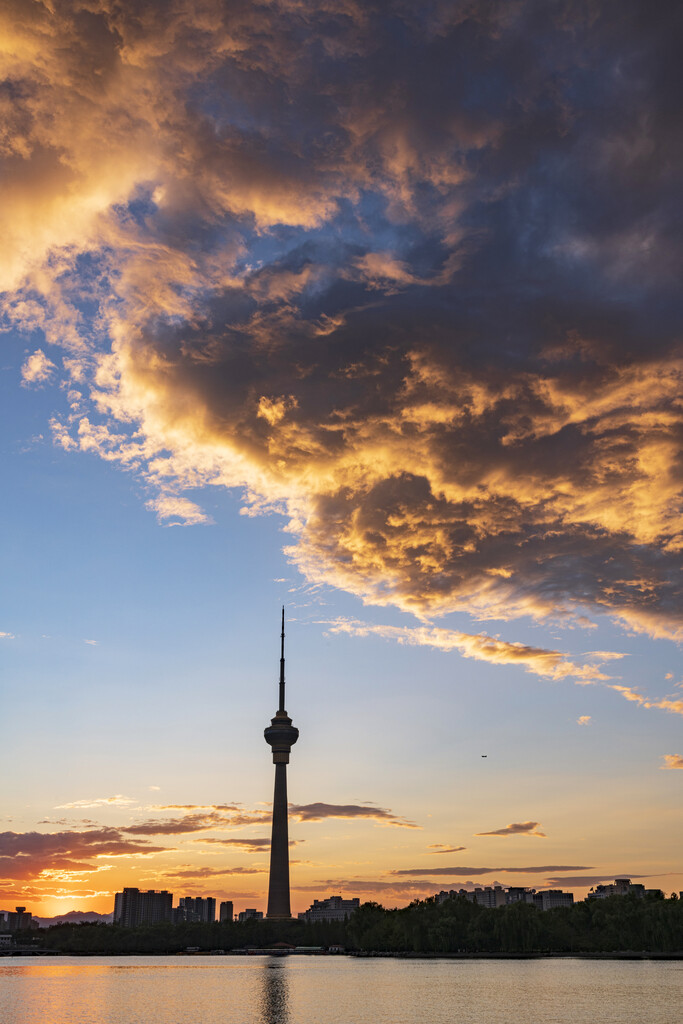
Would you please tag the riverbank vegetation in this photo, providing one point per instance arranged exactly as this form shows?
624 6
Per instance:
616 924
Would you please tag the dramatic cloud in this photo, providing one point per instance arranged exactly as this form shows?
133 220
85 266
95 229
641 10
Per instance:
543 869
671 761
319 811
517 828
38 854
404 274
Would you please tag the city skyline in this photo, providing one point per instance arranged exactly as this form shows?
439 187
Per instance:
370 312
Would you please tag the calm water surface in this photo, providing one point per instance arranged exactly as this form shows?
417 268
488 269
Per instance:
336 990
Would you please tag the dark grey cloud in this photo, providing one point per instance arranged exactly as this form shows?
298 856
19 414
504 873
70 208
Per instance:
356 886
412 282
179 826
517 828
558 883
320 811
459 870
207 872
198 818
245 843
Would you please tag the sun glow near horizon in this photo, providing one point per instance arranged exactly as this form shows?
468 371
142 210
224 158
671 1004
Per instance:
376 309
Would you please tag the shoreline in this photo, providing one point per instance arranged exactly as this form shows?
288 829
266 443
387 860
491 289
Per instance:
372 955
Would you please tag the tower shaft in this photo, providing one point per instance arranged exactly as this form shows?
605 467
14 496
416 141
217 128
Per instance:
278 884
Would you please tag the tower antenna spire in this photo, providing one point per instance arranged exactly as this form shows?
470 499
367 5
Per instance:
282 663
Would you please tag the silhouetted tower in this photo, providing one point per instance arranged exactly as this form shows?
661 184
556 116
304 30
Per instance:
281 735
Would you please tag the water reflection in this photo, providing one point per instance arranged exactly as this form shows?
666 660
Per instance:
274 992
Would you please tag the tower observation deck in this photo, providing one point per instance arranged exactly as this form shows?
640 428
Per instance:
281 735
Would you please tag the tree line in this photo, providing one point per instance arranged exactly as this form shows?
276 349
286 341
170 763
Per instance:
615 924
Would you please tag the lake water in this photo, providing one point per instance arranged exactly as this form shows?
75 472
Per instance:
337 990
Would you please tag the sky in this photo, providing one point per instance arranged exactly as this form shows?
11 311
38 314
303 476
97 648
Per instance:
369 310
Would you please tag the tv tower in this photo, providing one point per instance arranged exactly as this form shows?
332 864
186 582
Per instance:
281 735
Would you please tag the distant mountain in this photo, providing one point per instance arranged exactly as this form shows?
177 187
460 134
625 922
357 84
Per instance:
74 917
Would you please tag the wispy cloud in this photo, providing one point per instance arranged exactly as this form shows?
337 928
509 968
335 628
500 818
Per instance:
196 807
539 660
671 761
7 636
102 801
674 706
583 720
569 880
441 848
517 828
175 510
37 369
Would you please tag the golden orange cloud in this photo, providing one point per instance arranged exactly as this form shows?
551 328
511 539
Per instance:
671 761
364 391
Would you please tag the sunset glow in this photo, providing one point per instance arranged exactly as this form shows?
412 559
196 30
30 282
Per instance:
371 310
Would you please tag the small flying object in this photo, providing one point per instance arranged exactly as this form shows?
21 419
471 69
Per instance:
484 755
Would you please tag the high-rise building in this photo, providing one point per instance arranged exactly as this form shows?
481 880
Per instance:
194 909
226 912
281 735
250 914
620 887
17 920
521 894
334 908
496 896
548 899
491 896
133 907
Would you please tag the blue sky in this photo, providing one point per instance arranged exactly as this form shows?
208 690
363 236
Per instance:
370 313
